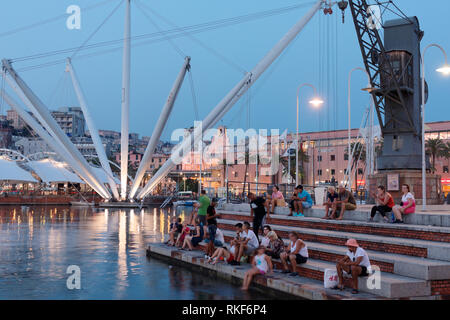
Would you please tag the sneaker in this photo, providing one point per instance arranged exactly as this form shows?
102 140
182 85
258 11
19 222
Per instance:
370 219
293 274
301 215
285 271
398 221
235 263
207 257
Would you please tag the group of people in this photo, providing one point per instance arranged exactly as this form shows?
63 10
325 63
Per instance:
342 200
385 204
300 201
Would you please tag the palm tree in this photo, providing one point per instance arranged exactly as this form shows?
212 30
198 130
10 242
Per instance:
358 156
435 148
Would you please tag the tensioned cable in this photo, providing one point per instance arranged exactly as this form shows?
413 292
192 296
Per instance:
194 96
97 29
195 28
47 21
199 42
172 43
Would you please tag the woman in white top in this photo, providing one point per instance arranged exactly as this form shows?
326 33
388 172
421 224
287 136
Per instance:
296 252
355 263
408 205
262 264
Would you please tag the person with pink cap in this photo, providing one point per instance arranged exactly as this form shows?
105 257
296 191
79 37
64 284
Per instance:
356 263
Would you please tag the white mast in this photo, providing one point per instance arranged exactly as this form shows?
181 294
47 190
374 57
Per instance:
227 103
125 103
156 135
93 130
36 105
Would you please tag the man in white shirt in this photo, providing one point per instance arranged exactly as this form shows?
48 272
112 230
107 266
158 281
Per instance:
248 242
355 263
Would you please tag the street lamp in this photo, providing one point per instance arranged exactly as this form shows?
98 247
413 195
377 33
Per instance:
315 102
349 107
445 69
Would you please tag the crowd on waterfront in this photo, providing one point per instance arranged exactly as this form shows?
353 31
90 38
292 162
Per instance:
259 245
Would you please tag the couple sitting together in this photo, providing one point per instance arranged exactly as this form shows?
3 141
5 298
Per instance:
300 201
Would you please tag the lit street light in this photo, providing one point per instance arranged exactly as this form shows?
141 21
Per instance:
316 102
445 69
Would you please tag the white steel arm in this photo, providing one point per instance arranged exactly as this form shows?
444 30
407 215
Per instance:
227 103
93 130
165 113
38 107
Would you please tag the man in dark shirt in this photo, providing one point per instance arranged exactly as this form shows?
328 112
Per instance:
211 219
258 212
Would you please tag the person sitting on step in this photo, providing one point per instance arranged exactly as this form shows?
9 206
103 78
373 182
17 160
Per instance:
276 200
332 197
294 198
408 205
275 247
265 240
224 253
192 241
305 202
261 264
248 243
296 252
345 202
176 227
385 203
356 263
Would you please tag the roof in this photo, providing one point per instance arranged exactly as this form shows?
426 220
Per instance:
101 174
53 172
10 171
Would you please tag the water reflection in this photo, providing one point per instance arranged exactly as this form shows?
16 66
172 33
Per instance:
37 244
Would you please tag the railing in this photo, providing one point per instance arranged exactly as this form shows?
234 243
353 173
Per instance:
239 195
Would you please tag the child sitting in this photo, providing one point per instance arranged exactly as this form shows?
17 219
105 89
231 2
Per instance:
262 264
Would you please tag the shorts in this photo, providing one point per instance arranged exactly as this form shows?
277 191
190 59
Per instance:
249 250
300 259
202 219
217 243
306 205
262 272
410 210
196 240
212 228
231 258
348 207
273 255
364 272
280 202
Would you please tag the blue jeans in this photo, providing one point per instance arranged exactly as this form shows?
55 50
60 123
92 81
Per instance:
212 228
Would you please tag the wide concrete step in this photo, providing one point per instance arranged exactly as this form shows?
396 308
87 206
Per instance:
414 267
429 233
302 287
362 215
383 284
418 248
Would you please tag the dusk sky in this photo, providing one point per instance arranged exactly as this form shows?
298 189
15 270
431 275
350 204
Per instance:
326 44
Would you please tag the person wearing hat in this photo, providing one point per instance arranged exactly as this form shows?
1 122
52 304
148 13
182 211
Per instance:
356 263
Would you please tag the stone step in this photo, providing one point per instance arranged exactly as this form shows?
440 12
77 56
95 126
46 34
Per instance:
390 285
417 248
301 287
414 267
421 218
429 233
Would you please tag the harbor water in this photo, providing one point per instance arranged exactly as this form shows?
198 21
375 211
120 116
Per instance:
40 247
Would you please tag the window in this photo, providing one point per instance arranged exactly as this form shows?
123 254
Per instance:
345 157
319 158
319 172
360 171
160 160
333 172
236 174
445 169
333 157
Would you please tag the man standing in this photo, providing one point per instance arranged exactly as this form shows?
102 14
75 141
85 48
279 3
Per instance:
203 204
257 212
212 226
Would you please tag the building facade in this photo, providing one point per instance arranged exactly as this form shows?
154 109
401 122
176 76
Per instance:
71 120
